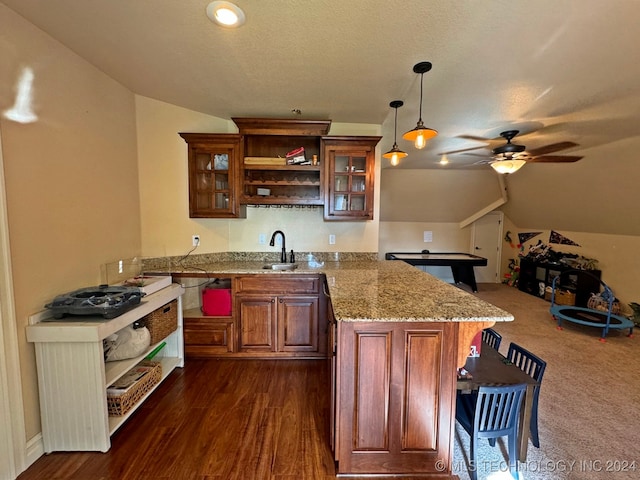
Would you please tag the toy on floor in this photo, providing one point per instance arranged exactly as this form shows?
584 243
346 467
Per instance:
604 319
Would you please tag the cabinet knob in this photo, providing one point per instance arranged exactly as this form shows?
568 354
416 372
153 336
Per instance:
280 300
273 300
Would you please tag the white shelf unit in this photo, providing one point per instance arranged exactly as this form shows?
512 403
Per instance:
73 377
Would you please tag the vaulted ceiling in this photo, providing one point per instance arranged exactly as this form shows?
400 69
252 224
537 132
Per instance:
557 70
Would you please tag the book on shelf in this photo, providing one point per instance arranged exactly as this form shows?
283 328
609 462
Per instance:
128 380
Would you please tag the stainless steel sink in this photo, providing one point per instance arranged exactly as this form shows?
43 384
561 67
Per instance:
280 266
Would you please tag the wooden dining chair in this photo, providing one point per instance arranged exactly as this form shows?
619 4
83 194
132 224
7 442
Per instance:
533 366
496 413
491 337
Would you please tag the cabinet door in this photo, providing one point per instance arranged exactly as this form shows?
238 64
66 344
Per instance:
298 324
396 394
349 186
257 323
213 175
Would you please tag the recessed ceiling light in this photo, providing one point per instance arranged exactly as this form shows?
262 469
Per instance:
225 14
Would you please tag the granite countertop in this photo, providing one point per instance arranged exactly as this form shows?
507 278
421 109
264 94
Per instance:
372 290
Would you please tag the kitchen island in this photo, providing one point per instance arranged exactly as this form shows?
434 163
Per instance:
396 337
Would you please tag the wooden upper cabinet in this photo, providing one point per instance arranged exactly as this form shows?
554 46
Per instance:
349 164
266 177
213 175
229 171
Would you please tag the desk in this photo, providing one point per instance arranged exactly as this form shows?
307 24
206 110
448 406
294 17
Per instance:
489 369
461 263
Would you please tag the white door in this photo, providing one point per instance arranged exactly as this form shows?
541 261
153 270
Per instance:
486 241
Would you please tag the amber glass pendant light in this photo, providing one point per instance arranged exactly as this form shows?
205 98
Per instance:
395 154
420 134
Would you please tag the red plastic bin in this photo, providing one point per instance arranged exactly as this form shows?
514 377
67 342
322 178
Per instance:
216 298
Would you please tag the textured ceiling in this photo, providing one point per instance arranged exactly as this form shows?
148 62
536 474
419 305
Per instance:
558 70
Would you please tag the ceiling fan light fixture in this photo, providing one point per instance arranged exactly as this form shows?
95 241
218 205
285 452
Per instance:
420 134
507 166
395 154
225 14
508 149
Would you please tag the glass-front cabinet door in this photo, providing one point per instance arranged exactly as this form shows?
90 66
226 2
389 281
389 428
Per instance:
350 164
213 174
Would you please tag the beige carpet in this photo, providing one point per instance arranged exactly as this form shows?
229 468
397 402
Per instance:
588 412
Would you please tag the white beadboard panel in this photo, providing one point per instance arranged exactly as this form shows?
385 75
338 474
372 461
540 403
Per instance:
72 396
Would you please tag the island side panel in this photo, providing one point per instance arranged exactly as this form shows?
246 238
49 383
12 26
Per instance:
396 399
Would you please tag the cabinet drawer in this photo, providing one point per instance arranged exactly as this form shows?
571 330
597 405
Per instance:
206 335
277 284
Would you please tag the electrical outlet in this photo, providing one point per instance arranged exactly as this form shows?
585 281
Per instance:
332 239
262 239
195 240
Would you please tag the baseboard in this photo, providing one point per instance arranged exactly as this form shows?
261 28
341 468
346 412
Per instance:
35 449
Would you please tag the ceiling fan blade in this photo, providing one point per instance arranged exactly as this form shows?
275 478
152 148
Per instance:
551 148
554 159
453 152
482 162
474 138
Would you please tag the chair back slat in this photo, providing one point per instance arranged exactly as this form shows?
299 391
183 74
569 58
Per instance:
526 361
491 338
498 409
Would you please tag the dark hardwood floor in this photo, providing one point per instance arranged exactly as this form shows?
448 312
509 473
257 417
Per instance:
217 420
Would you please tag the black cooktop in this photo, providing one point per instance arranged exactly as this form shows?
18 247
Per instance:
103 300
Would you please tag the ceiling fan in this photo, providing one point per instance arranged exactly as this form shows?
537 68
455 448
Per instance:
509 157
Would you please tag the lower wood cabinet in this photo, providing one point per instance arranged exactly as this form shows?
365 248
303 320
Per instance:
271 323
273 315
395 394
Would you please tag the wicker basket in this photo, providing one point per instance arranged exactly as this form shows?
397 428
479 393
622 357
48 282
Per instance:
162 322
596 302
119 404
562 297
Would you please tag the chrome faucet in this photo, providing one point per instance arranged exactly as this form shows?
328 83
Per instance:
283 253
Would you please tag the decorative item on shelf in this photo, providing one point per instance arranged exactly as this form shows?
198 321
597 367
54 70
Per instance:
296 157
420 134
395 154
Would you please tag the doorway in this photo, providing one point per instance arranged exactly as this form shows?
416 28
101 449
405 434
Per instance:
486 241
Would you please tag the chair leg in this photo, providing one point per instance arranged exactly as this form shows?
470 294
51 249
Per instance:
533 428
513 455
473 461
